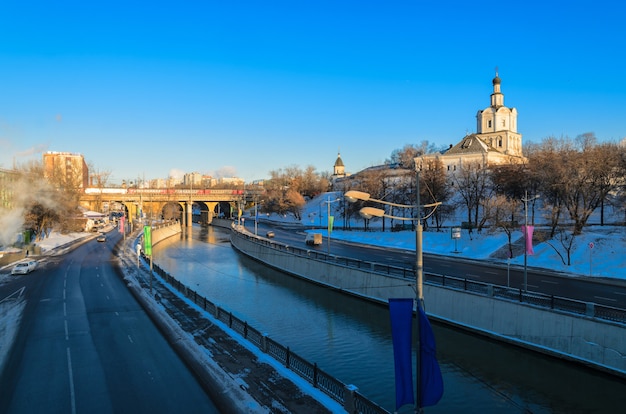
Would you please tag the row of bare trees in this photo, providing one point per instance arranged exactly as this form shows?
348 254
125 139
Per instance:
287 190
563 180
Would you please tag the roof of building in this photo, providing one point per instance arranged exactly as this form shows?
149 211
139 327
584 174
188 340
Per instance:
471 144
338 161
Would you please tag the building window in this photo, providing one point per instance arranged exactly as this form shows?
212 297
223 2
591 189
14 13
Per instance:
489 124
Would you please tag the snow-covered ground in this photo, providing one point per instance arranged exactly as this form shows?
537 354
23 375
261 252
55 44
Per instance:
604 259
598 252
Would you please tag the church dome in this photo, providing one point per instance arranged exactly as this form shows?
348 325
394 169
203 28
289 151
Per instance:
339 162
496 80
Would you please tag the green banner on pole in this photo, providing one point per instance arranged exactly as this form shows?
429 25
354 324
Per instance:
147 240
331 222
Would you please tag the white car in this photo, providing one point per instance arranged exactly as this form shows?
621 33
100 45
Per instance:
24 268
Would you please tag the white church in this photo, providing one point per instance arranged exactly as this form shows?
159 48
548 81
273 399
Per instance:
495 142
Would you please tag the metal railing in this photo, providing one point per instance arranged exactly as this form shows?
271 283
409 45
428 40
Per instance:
347 395
587 309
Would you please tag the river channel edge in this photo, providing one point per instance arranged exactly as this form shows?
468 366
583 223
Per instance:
236 379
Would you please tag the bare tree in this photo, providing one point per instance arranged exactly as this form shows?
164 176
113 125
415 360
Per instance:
286 188
549 174
40 219
472 184
503 213
99 179
605 163
405 157
566 240
575 177
591 176
434 188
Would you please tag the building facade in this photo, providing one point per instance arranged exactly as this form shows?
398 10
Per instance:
66 169
7 180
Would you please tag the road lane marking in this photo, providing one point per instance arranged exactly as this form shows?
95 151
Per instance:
130 339
551 282
67 336
71 375
620 293
64 309
603 298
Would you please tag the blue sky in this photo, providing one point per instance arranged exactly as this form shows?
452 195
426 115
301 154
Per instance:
142 89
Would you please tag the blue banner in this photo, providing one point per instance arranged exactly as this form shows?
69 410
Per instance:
431 381
401 313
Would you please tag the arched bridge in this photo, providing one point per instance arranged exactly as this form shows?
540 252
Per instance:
153 202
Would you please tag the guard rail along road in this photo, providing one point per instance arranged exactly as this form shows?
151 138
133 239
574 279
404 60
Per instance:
585 333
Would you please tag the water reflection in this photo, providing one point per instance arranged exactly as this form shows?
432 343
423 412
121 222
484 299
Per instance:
350 338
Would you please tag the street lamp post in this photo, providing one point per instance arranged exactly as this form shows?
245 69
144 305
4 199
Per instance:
369 212
256 217
526 200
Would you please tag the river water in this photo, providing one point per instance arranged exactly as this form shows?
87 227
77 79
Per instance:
351 339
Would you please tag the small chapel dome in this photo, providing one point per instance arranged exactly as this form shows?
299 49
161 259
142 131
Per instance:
339 162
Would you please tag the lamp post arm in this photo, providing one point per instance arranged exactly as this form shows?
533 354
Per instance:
353 196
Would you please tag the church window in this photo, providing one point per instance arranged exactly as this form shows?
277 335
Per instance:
489 124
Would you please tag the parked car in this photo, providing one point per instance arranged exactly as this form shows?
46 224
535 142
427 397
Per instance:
102 238
24 268
269 234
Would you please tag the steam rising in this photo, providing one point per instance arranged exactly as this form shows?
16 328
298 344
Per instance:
25 193
36 150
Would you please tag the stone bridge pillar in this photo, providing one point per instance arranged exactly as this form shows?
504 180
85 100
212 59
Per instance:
188 205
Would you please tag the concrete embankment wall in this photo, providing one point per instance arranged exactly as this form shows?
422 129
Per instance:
165 231
597 343
225 223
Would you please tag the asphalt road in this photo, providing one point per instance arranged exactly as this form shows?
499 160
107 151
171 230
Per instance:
608 292
86 345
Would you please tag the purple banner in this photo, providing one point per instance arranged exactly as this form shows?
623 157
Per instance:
528 234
